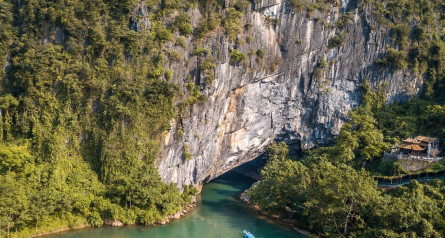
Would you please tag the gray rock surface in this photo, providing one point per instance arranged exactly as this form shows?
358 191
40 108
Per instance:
249 106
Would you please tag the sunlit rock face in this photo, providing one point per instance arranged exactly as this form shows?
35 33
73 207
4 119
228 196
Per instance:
278 98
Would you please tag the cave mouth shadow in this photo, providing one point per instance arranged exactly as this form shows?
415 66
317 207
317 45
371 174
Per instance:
252 168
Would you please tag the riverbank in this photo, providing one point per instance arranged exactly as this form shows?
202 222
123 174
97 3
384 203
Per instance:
218 214
295 224
181 213
113 223
59 230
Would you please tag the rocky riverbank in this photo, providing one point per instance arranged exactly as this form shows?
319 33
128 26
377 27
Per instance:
181 213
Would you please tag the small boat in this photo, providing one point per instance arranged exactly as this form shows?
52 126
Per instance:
247 234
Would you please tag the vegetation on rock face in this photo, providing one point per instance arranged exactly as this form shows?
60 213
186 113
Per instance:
331 190
416 32
84 102
237 57
82 108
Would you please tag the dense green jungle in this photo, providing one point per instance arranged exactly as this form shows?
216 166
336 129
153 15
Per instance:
81 122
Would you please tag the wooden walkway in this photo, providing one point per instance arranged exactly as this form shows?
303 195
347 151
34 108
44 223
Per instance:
395 182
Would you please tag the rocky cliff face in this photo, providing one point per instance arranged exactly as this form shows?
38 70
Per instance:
280 97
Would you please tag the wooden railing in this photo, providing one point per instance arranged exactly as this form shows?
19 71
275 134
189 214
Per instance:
394 182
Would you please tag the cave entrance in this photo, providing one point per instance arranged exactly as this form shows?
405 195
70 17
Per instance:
253 168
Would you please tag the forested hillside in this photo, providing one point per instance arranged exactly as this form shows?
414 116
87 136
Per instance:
82 112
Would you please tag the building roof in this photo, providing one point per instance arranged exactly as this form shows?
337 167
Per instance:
411 147
425 139
411 141
423 144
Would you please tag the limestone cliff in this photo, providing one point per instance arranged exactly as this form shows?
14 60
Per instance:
280 97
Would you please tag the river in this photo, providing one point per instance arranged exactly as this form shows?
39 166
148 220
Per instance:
218 214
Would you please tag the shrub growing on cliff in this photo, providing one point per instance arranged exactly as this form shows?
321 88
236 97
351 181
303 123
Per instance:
336 41
206 25
184 24
320 68
260 54
241 5
400 34
186 155
237 57
394 59
232 23
207 67
297 5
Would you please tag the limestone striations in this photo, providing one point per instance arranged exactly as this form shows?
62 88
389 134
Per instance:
279 97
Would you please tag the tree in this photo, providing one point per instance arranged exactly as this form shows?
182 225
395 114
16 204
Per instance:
338 197
42 204
13 157
360 138
278 151
13 201
282 186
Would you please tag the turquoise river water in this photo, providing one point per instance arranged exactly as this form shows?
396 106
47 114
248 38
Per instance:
218 214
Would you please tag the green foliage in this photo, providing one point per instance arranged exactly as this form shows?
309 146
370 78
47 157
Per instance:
338 197
175 56
237 57
336 41
334 195
415 210
200 51
275 64
281 186
184 24
320 68
259 55
7 33
394 59
344 20
241 5
277 151
195 96
186 155
81 116
389 169
207 69
272 21
14 157
297 5
232 23
207 25
400 34
415 27
181 42
412 118
360 138
13 202
169 74
338 200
